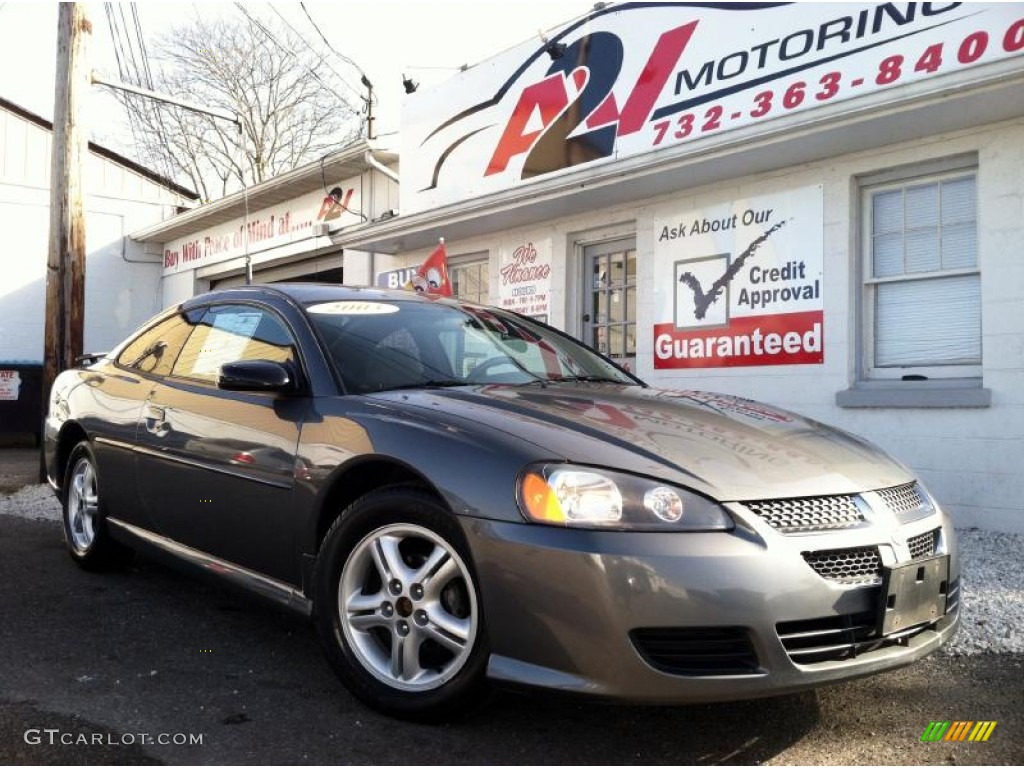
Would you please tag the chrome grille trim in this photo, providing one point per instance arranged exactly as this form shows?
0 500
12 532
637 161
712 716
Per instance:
924 544
859 565
838 638
809 514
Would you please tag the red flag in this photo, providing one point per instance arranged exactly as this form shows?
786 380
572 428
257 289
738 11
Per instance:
432 276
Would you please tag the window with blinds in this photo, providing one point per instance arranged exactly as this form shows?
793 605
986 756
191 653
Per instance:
922 297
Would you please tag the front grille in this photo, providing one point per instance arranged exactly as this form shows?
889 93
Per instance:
906 502
815 513
923 545
836 638
861 565
696 651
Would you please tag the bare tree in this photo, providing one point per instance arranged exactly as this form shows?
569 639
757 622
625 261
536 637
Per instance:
291 103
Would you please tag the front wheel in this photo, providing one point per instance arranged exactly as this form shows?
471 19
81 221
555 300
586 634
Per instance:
85 529
397 606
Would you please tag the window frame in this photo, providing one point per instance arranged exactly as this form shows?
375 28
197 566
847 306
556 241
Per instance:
299 369
605 248
866 187
474 259
178 315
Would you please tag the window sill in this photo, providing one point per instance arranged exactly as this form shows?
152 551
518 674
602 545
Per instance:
950 393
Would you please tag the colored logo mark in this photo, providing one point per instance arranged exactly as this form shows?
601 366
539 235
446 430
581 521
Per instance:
958 730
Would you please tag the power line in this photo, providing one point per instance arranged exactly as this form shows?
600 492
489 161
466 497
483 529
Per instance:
160 126
148 116
256 23
122 69
327 42
316 53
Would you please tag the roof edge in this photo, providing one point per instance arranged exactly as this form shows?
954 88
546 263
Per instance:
155 232
102 151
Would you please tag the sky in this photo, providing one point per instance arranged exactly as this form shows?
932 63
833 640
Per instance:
427 40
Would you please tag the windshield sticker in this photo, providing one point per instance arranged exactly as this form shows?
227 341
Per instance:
353 308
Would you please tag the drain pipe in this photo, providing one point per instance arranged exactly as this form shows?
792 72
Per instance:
373 162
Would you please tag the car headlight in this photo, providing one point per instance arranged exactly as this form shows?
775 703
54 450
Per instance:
585 497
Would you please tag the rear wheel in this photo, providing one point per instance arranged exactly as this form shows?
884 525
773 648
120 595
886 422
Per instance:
85 527
397 606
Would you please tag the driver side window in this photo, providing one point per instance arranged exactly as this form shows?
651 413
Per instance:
155 350
230 333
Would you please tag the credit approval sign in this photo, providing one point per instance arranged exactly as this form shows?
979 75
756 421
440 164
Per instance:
740 284
637 77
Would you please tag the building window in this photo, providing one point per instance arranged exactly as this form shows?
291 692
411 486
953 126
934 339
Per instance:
922 286
471 278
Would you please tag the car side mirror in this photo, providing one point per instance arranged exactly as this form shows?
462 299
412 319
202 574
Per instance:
255 376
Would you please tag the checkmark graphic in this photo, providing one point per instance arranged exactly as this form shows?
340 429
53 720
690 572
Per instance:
702 300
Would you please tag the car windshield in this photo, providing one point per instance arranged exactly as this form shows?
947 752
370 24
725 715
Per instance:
382 345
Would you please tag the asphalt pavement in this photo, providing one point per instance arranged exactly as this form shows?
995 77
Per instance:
113 665
154 666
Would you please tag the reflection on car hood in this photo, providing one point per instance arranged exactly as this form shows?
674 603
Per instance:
728 447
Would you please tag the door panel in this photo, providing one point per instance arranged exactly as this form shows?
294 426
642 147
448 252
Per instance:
110 404
117 393
223 471
221 464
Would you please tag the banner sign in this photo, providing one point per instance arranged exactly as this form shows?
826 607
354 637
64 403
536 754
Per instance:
633 78
524 278
740 284
266 228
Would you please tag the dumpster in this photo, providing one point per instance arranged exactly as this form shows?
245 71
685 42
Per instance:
21 400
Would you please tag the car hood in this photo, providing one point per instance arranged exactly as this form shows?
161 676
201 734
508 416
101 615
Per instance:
730 448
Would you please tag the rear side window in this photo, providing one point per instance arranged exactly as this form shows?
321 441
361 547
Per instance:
229 333
155 350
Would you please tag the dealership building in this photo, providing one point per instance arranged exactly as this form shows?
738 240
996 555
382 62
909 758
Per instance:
819 206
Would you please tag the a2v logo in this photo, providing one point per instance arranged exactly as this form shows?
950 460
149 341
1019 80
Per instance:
571 116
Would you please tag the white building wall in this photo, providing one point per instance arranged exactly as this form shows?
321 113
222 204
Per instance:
122 282
972 459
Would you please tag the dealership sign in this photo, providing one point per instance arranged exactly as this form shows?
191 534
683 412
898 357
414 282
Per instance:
524 278
634 78
266 228
740 284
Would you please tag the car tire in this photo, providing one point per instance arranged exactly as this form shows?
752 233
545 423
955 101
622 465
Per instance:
397 608
84 515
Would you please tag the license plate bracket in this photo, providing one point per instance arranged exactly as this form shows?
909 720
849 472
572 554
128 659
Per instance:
913 593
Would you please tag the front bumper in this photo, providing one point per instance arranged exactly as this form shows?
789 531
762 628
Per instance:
560 606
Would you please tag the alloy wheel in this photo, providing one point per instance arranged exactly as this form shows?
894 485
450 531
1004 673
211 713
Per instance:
408 607
83 504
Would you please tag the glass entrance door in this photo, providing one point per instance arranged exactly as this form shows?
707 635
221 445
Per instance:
609 319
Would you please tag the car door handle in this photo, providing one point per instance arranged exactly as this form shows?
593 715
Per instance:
156 420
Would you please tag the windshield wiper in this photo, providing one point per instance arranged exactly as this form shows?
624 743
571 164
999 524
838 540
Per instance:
592 379
429 384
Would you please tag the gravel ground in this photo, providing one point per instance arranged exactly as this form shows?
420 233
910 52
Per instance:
993 581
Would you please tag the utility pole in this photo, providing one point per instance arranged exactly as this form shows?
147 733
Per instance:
370 131
65 266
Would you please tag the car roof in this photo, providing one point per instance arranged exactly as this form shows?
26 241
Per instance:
308 293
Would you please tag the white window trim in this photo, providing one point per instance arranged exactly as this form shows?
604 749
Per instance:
954 386
867 282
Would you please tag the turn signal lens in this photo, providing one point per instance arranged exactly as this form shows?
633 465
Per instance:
664 503
540 500
570 496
